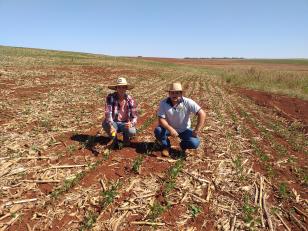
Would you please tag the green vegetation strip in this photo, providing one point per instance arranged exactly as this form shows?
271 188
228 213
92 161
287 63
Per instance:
168 185
292 83
70 183
107 197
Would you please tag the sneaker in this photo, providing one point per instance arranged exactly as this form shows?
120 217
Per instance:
165 152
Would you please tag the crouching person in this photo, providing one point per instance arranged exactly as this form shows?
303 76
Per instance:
174 120
120 112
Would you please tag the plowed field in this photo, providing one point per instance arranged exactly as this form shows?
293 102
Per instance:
249 173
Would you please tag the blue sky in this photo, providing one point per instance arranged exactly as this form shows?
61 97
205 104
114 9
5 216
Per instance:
160 28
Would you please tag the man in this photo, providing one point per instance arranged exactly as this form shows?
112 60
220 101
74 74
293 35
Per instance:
120 112
174 120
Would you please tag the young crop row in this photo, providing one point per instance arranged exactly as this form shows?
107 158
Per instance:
219 185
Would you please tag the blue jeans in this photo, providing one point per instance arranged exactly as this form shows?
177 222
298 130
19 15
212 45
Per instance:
188 141
120 127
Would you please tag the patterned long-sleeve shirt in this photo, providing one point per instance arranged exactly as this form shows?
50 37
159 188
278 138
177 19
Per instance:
112 108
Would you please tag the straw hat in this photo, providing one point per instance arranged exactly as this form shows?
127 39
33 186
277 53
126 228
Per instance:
177 86
121 81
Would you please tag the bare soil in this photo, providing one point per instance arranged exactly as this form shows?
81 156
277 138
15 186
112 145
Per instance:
51 130
290 108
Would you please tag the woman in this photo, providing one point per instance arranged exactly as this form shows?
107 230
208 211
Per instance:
120 111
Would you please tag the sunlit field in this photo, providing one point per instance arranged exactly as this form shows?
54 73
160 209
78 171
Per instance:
57 173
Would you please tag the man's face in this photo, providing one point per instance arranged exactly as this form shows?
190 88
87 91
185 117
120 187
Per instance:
121 90
175 96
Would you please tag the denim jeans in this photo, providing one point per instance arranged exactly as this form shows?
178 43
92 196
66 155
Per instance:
120 127
188 141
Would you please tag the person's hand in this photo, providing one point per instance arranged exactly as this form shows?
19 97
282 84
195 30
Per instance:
195 133
112 128
174 133
128 125
113 131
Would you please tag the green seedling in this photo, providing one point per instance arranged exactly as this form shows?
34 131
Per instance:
146 124
71 148
109 195
302 174
175 169
249 213
194 210
169 184
270 170
67 185
156 210
283 190
137 164
89 221
238 164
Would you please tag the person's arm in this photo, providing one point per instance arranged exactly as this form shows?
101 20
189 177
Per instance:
133 117
200 122
108 110
162 119
163 122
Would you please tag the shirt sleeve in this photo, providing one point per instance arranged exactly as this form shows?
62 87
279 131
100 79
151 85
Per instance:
108 109
161 111
134 114
193 106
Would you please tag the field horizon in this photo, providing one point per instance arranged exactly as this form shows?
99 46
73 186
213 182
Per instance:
261 59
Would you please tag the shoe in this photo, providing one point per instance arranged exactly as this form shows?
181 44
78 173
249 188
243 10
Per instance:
165 152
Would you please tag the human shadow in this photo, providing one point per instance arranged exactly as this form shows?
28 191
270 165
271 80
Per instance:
90 141
146 148
177 154
151 149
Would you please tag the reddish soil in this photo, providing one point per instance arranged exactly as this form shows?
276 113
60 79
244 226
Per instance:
290 108
232 63
32 92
